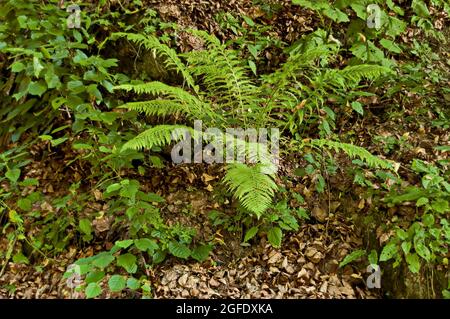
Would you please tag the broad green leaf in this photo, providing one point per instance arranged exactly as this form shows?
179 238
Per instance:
428 220
93 290
17 67
179 250
274 236
251 233
422 250
128 262
94 276
357 107
388 252
24 204
422 201
413 262
133 283
85 226
390 45
19 258
145 244
406 247
103 260
117 283
201 253
37 66
124 243
13 175
440 206
352 257
37 88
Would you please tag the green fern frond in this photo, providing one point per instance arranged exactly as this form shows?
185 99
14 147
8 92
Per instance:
157 136
355 151
251 187
223 74
172 61
156 107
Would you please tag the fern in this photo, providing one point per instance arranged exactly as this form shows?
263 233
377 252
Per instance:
157 136
355 151
172 61
251 187
224 75
156 107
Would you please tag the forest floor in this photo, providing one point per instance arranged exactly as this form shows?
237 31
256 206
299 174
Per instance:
307 265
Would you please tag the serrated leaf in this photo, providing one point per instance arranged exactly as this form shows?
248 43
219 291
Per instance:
133 283
13 175
116 283
274 235
145 244
128 262
93 290
103 260
250 233
179 250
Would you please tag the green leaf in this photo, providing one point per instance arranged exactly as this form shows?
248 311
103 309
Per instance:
13 175
124 243
117 283
94 276
145 244
128 262
250 233
422 201
356 106
133 283
37 88
406 247
420 8
201 253
19 258
373 257
390 45
413 262
352 257
388 252
17 66
252 66
103 260
37 66
179 250
93 290
274 236
421 249
85 226
440 206
24 204
428 220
